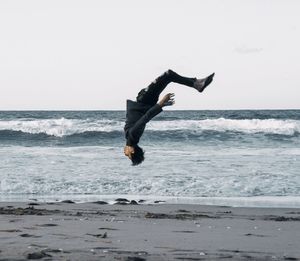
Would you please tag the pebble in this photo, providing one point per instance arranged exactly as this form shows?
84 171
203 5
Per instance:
68 201
100 202
122 200
37 255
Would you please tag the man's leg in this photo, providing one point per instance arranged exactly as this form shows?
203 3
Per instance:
151 94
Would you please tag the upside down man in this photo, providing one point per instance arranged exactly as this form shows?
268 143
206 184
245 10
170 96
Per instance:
148 105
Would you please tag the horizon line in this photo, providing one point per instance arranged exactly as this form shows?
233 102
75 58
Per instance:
66 110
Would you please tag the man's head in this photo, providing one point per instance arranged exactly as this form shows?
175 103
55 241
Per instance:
135 154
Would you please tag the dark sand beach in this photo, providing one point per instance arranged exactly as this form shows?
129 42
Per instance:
97 231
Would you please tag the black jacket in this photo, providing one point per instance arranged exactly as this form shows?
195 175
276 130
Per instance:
137 115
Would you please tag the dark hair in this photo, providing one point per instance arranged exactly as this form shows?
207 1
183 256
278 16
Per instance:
138 156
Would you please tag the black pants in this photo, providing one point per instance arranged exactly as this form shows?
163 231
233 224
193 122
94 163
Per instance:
151 94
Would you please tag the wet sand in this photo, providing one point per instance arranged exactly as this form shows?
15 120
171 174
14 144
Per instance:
98 231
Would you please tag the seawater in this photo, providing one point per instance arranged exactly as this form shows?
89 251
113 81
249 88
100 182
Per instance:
218 157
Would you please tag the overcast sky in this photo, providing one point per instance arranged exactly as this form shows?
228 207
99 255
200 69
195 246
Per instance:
96 54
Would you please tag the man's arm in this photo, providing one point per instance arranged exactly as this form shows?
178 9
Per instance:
167 100
151 113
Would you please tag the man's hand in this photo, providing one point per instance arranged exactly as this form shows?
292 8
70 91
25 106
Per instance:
128 151
167 100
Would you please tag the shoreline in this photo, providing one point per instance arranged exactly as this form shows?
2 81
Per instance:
122 231
254 201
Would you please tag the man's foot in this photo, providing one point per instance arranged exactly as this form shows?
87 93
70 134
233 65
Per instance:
201 84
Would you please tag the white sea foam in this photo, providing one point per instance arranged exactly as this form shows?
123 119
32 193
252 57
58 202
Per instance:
194 172
64 127
60 127
272 126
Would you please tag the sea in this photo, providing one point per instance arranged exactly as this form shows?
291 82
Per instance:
218 157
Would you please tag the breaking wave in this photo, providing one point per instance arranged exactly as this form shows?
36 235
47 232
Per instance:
69 127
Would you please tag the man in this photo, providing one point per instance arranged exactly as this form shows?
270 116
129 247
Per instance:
146 107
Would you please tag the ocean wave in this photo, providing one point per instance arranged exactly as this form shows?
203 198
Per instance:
197 172
248 126
69 127
60 127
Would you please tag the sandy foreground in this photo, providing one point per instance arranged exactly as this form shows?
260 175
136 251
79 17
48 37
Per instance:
97 231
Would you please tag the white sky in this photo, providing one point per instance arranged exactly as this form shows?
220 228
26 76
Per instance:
96 54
